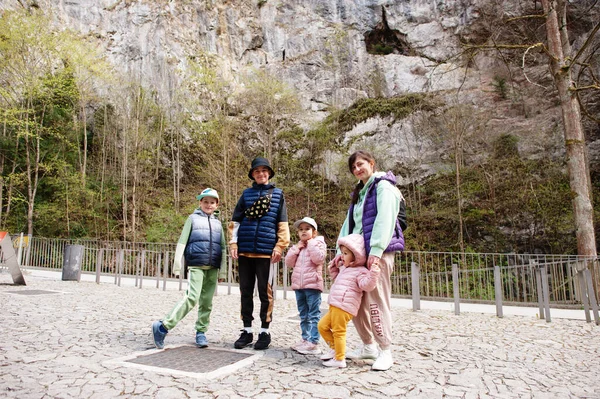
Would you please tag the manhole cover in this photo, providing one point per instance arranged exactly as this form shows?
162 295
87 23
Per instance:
32 292
192 361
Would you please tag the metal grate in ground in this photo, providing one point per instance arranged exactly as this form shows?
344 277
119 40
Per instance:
32 292
191 361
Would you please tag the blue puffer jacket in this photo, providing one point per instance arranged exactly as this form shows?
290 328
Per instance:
204 244
259 236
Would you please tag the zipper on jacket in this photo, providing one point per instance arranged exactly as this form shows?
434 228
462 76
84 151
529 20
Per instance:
256 230
210 243
302 272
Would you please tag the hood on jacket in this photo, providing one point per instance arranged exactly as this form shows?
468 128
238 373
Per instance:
356 244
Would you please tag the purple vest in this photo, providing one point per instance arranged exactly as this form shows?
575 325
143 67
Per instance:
369 214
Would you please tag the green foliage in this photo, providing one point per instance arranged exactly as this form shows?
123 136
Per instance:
162 225
382 49
508 205
500 87
397 107
506 147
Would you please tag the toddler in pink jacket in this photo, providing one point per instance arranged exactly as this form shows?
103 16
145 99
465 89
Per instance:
307 258
351 279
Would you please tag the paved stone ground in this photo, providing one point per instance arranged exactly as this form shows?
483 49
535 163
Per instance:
63 345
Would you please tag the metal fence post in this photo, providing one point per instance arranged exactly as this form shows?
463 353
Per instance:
157 269
545 292
99 257
498 291
229 274
456 289
416 294
181 276
20 249
143 266
285 280
137 268
120 265
540 291
580 267
165 270
273 276
28 253
591 294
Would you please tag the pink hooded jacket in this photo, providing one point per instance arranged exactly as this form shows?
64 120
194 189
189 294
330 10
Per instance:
308 264
351 281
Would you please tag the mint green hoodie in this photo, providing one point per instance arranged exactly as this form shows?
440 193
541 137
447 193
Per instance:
388 204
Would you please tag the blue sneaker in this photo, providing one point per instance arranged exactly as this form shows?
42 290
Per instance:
201 340
159 336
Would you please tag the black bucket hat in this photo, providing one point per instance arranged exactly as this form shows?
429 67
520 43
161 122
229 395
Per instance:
260 161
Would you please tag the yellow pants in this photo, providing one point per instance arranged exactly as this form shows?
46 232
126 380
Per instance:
332 328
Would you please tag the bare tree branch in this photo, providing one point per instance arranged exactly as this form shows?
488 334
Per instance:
533 16
588 40
523 65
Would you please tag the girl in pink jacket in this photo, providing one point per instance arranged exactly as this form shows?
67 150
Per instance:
307 258
351 279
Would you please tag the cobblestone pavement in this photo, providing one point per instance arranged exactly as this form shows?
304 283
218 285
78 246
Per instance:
63 345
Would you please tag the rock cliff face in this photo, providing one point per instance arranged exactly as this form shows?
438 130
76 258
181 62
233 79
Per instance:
331 52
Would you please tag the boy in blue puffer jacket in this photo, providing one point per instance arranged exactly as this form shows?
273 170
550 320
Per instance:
202 244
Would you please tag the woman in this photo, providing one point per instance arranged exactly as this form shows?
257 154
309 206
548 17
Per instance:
373 213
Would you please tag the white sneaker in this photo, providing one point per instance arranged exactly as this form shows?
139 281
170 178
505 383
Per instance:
298 345
335 363
328 354
365 352
384 361
309 349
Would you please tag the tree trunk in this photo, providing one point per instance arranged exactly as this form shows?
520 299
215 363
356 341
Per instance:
2 181
458 162
577 164
85 146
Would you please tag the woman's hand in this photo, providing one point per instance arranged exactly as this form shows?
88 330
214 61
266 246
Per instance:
233 252
375 268
373 260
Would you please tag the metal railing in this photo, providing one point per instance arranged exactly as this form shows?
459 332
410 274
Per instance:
476 278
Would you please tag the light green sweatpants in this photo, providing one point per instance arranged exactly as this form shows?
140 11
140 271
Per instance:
201 288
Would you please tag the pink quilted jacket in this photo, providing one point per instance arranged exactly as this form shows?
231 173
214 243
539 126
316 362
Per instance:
347 289
308 264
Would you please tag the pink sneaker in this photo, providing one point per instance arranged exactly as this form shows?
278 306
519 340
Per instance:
335 363
299 345
328 354
309 349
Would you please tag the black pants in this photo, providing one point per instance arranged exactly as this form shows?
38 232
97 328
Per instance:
257 270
